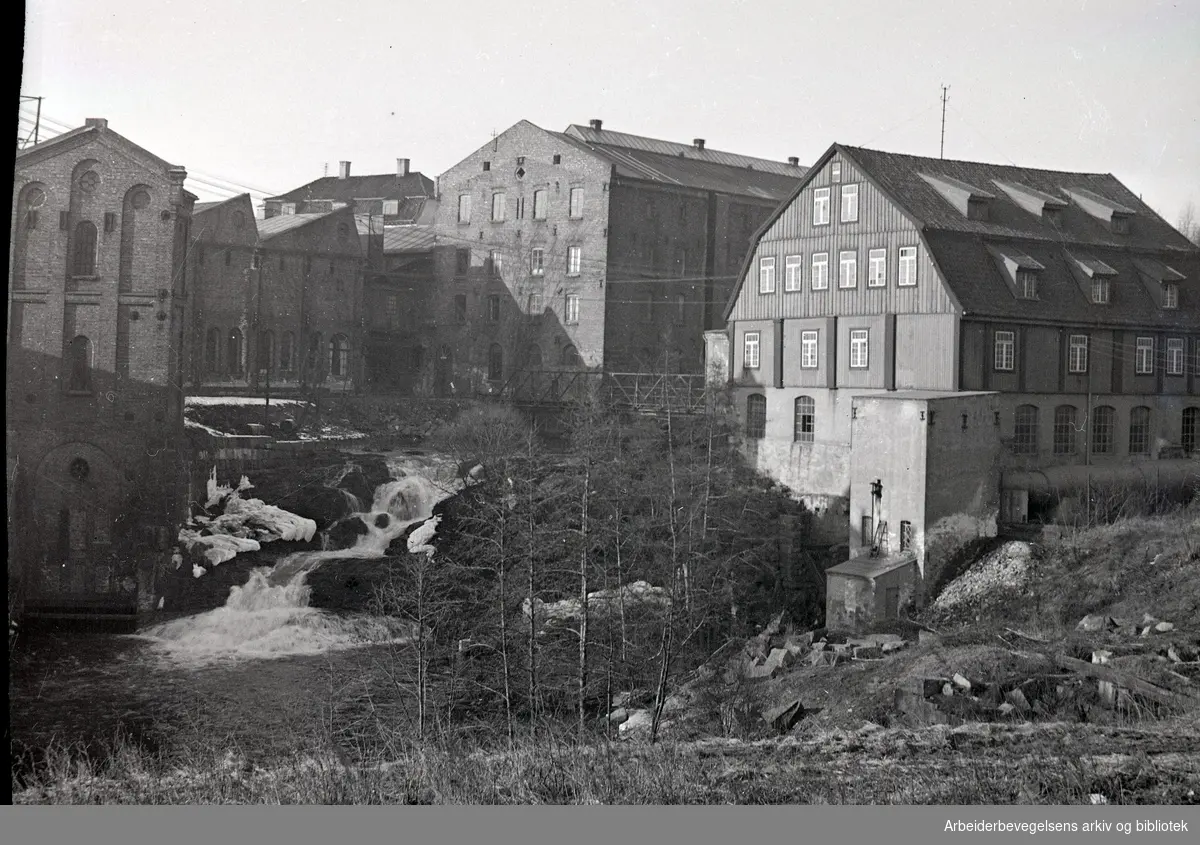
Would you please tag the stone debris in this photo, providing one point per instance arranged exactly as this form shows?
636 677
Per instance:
961 682
784 717
1092 623
618 716
639 721
1164 627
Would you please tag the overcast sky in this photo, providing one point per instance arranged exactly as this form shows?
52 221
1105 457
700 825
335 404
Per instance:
266 92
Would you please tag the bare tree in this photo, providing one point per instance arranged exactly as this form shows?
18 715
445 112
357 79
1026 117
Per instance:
1189 224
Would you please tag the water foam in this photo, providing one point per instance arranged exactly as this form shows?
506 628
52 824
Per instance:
269 616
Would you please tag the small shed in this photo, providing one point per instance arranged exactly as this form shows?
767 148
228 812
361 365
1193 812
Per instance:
866 590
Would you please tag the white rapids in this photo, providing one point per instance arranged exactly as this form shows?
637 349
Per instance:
269 616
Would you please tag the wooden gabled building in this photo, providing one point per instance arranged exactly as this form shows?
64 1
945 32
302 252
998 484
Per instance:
1062 292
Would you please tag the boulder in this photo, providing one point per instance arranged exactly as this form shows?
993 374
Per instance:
889 648
869 652
784 717
776 662
1164 627
1091 623
638 722
1015 698
619 716
961 682
931 687
928 638
1006 709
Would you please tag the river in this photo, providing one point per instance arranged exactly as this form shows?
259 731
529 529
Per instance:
265 674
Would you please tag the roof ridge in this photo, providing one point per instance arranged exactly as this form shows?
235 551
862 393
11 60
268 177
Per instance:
1009 166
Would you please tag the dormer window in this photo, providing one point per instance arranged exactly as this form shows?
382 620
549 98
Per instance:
1093 276
1116 215
1019 270
1160 281
1039 203
970 201
1053 216
1099 291
1027 284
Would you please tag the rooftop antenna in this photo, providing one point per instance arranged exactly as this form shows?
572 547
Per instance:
37 120
495 141
942 151
326 168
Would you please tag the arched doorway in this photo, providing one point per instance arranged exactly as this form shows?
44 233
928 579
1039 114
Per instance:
78 498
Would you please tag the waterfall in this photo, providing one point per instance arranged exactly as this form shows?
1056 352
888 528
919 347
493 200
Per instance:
270 616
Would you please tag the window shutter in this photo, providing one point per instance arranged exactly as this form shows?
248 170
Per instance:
110 221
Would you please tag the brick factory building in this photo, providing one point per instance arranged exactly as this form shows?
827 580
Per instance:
97 308
590 249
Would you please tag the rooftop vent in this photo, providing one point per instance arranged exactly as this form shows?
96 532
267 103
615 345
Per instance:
401 167
343 170
596 123
698 143
97 122
794 161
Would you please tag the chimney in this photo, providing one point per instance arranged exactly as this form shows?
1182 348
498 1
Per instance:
401 167
596 123
97 122
794 161
698 143
343 170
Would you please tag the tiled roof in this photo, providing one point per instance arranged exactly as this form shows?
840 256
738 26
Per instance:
899 175
401 239
202 207
672 163
981 289
379 186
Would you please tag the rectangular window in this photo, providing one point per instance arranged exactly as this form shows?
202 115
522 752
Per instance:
750 347
464 208
1175 354
1139 431
859 349
1027 284
487 165
539 204
1170 296
496 261
1102 430
808 350
535 304
499 206
1099 291
835 171
537 261
574 260
821 206
493 305
766 275
847 269
460 308
906 535
520 208
1144 356
820 271
576 204
1077 354
756 416
804 422
877 268
849 203
1025 430
1005 351
1064 430
110 221
791 273
572 308
907 277
462 261
391 208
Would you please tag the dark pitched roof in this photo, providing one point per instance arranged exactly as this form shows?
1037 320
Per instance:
201 207
673 163
379 186
900 176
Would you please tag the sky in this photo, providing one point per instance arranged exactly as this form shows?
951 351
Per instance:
265 94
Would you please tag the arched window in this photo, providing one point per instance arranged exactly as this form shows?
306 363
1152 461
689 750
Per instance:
265 359
495 362
287 345
533 357
1065 428
1025 430
339 356
212 341
80 358
1190 431
756 415
1103 423
233 352
83 252
805 422
1139 430
570 356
